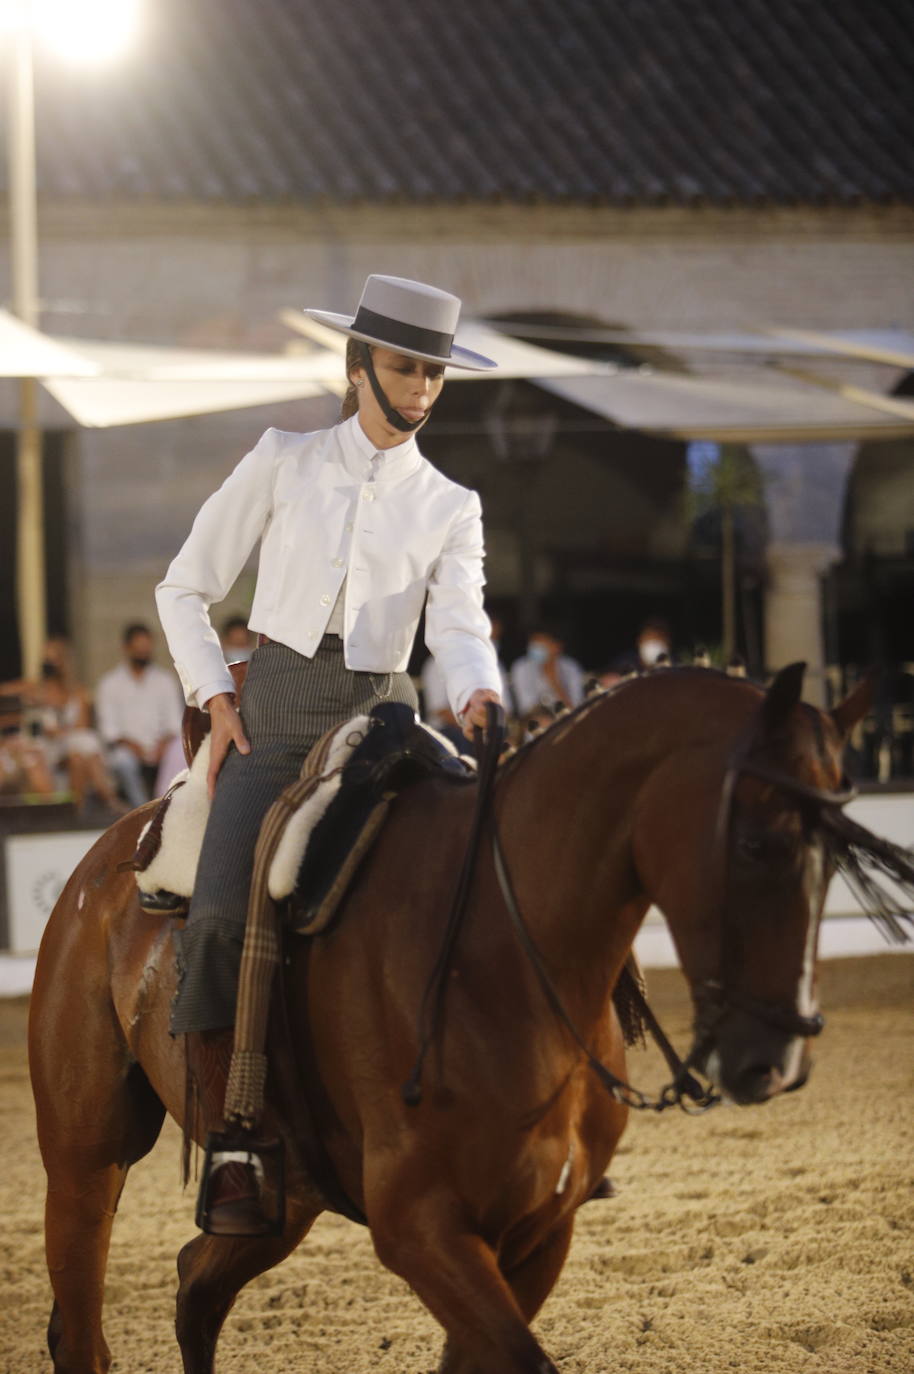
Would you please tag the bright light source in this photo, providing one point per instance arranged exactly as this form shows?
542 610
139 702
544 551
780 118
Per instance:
14 15
84 30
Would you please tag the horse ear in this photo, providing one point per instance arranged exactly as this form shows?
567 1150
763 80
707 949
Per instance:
782 696
855 705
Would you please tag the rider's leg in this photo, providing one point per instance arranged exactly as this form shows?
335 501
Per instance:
288 702
210 953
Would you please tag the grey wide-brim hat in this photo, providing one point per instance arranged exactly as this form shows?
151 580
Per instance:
408 317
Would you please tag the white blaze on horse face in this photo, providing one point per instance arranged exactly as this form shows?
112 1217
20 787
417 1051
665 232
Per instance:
813 884
815 897
713 1071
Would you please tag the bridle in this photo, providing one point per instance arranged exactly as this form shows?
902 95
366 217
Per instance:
713 997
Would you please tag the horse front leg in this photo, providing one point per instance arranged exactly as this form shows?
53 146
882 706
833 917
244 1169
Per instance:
212 1271
456 1275
531 1282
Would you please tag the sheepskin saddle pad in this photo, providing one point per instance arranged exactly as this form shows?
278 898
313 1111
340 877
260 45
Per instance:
356 770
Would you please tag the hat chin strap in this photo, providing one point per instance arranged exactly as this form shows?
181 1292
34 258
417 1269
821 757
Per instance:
393 417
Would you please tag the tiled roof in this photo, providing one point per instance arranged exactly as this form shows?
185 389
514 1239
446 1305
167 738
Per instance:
596 101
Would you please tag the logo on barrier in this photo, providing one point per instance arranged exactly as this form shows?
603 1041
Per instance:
46 888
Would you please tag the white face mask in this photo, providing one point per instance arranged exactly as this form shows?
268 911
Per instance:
651 649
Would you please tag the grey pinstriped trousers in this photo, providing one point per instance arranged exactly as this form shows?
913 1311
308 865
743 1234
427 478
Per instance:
288 702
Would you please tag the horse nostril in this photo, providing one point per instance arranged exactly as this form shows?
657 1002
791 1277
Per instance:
758 1083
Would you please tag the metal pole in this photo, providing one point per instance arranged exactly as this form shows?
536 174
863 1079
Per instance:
30 569
728 581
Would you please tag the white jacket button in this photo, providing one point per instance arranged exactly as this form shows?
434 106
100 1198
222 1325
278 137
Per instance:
325 601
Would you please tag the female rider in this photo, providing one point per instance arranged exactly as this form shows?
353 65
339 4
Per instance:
357 532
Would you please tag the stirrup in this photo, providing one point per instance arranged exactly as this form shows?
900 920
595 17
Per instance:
261 1167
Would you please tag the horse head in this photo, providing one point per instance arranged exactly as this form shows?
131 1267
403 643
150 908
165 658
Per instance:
749 834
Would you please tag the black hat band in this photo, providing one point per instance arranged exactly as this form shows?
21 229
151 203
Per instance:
401 335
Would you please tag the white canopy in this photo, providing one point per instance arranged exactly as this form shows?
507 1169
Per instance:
26 352
103 383
137 383
751 409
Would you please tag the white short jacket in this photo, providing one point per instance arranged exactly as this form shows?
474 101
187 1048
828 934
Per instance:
328 506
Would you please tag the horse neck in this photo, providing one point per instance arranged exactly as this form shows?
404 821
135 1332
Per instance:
566 812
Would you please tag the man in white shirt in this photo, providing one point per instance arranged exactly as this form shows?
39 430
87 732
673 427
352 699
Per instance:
138 706
546 677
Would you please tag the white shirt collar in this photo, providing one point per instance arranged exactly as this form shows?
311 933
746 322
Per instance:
361 458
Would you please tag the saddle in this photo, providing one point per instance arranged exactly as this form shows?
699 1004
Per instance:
333 813
395 752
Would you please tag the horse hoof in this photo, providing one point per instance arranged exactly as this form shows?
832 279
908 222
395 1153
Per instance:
605 1188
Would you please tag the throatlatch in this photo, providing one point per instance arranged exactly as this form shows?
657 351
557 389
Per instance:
392 416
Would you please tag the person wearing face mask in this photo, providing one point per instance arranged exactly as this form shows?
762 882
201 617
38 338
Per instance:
653 649
545 677
139 712
59 717
654 644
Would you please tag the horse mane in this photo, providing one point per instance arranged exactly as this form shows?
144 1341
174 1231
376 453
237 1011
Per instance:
863 859
568 719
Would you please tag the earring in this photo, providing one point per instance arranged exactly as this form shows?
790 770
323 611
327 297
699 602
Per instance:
361 383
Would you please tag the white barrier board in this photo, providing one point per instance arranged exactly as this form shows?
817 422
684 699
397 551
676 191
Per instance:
37 867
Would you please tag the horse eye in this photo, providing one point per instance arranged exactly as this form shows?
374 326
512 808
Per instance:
763 847
751 847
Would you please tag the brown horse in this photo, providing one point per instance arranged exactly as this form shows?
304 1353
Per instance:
471 1195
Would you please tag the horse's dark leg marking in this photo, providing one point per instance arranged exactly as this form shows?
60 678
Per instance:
53 1329
456 1275
531 1283
213 1269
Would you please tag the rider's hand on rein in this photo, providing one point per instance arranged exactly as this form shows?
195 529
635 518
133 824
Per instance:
226 730
474 713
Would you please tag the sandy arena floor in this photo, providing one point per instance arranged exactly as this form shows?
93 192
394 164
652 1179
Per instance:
767 1240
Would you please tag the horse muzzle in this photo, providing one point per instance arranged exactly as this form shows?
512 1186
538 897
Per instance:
758 1051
